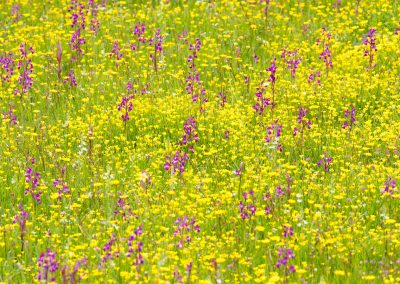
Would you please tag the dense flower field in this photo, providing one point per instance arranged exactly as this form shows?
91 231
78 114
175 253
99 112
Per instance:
200 141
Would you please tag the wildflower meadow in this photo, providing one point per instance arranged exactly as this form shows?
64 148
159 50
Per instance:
188 141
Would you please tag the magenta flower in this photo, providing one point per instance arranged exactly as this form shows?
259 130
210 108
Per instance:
138 32
9 115
390 186
78 12
126 104
15 12
32 178
94 25
247 210
62 187
272 73
268 208
262 102
314 77
25 68
71 79
21 219
222 98
184 229
291 60
7 65
285 255
325 162
107 249
183 37
71 275
273 134
47 266
239 171
190 135
287 231
76 43
326 53
194 86
116 51
226 134
351 116
136 248
302 121
157 43
279 191
176 163
371 49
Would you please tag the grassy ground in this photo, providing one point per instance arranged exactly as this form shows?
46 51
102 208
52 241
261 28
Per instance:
200 141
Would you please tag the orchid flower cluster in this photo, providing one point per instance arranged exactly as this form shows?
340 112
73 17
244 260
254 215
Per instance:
351 118
25 68
69 275
123 209
183 230
286 189
15 12
79 14
269 204
177 162
116 51
7 65
370 42
138 33
390 186
47 265
315 78
291 60
325 162
126 104
193 78
78 18
32 178
62 187
10 115
247 207
326 53
222 98
302 121
262 102
272 79
94 21
21 218
157 43
273 134
137 249
287 231
280 191
178 277
71 79
190 135
286 254
107 249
